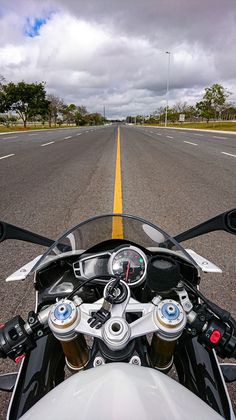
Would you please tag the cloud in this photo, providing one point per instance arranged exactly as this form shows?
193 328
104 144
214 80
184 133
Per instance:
113 53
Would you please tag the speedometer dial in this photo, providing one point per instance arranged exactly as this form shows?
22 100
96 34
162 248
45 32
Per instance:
131 263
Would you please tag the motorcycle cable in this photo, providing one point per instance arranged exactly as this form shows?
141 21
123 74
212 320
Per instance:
224 315
105 277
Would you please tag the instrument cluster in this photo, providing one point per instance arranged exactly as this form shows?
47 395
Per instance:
126 260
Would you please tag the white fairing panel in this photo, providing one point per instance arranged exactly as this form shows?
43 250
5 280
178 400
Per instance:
120 391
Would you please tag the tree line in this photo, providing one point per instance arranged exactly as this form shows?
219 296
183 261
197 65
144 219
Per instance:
214 105
31 103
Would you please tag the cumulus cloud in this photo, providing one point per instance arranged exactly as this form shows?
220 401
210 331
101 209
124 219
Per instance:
112 53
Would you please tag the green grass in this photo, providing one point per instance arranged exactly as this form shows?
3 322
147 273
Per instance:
4 129
224 125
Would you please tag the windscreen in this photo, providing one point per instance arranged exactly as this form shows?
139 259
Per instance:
99 229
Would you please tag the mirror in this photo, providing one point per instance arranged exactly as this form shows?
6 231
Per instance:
225 221
8 231
1 232
231 220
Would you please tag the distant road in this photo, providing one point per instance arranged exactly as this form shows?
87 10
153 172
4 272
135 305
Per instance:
51 180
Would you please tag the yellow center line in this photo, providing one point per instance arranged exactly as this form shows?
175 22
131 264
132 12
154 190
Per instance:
117 222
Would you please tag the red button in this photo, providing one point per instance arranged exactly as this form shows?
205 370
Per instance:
2 326
215 337
19 358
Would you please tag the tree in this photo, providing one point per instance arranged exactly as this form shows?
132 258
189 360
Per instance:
191 113
80 115
55 106
3 106
82 110
26 99
160 114
129 119
68 112
2 81
229 112
95 119
7 120
205 109
180 107
213 101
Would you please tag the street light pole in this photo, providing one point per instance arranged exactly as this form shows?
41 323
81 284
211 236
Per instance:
167 86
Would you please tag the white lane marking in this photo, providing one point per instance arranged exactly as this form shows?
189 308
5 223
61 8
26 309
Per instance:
68 137
79 134
228 154
46 144
158 134
189 142
169 137
199 135
7 156
218 137
151 132
34 134
12 137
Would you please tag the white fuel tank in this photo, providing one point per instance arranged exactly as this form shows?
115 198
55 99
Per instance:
119 391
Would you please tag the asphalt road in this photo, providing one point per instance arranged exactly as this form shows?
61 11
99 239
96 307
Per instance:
51 180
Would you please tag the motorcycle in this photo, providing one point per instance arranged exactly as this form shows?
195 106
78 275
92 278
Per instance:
120 329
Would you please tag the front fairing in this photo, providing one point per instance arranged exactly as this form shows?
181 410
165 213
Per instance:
120 391
43 368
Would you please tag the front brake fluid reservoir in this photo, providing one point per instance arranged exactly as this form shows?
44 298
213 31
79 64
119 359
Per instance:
171 320
62 321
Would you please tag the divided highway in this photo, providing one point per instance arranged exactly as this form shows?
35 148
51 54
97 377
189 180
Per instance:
51 180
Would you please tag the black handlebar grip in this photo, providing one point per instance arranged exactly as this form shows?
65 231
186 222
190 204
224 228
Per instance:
2 352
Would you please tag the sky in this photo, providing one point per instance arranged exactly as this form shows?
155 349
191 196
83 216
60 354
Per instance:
112 53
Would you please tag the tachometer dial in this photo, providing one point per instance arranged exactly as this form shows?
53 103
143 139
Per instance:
131 263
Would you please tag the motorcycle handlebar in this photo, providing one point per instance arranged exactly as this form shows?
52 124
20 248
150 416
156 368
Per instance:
17 337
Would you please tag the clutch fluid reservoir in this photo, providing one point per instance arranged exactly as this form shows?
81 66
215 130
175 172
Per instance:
63 318
171 320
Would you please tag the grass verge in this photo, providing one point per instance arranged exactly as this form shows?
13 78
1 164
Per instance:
4 129
224 126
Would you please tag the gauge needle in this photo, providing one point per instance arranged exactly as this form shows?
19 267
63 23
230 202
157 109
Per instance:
127 272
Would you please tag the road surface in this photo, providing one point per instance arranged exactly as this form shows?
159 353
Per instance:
51 180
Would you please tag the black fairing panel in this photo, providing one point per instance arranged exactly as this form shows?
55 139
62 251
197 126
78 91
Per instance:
42 370
199 371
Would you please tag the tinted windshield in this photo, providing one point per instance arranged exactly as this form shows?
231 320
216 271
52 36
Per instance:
104 228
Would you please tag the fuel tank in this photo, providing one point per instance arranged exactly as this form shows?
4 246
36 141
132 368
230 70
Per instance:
119 391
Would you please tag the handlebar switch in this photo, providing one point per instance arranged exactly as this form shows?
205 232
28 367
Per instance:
213 334
215 337
14 340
